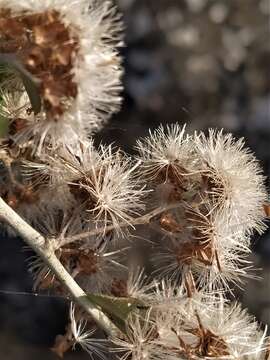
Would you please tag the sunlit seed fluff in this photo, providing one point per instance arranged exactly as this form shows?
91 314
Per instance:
116 193
203 329
235 178
171 295
229 253
13 104
216 257
102 182
138 285
69 164
164 149
209 330
96 348
95 73
138 343
105 179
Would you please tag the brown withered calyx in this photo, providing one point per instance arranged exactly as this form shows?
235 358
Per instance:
47 48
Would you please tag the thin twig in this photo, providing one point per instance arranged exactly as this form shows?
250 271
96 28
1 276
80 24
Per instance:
44 249
142 220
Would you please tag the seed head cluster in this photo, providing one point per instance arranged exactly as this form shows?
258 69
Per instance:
159 239
69 54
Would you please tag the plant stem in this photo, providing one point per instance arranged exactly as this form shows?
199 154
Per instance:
38 243
142 220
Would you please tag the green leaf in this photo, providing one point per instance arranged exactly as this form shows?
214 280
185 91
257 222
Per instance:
117 309
30 83
3 126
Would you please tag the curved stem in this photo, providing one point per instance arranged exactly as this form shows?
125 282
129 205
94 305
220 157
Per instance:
38 243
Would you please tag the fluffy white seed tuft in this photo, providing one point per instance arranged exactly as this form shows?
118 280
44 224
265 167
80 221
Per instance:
94 347
237 184
94 29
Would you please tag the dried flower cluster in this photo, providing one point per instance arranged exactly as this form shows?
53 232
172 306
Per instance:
197 199
70 52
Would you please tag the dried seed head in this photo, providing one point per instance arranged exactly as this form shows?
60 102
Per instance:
81 334
20 193
233 179
207 327
214 168
69 51
103 183
215 254
40 37
208 179
166 155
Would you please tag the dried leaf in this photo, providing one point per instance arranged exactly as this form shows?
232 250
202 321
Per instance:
266 208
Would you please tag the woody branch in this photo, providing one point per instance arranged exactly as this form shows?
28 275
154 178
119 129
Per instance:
39 244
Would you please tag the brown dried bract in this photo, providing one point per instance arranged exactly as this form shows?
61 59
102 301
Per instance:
19 194
47 48
80 193
88 263
79 188
190 284
209 345
203 253
13 190
212 345
119 288
84 262
213 187
175 176
201 247
47 282
266 208
168 223
63 343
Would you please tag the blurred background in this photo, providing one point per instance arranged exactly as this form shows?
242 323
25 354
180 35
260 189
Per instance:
205 63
